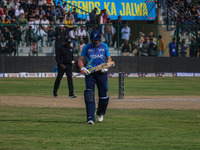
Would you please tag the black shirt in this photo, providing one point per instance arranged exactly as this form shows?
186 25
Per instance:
64 55
152 49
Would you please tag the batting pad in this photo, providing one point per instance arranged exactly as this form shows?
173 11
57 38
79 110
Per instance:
102 106
90 104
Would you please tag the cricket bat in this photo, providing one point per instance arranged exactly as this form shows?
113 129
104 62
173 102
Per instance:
102 66
99 67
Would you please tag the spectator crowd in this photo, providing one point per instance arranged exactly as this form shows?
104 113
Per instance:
44 23
187 16
183 12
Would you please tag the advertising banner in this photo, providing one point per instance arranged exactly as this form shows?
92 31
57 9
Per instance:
128 9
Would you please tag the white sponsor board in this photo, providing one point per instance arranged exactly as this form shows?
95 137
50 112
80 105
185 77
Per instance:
150 75
185 74
23 74
32 75
1 75
11 75
197 74
29 75
78 75
133 75
167 75
50 74
115 75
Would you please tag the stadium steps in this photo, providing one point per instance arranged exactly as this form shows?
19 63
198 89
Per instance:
50 51
165 36
114 51
42 51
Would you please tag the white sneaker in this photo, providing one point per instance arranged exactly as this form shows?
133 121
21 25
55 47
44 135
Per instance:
90 122
100 118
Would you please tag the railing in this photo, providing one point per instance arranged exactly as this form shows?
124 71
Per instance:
46 45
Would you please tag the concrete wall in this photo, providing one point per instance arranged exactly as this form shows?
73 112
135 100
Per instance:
125 64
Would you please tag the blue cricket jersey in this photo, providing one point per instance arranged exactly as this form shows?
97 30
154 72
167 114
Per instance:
95 55
172 47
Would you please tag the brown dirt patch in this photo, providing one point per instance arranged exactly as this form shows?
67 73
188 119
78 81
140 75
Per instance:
131 102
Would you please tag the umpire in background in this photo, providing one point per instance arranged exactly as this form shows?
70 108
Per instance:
64 59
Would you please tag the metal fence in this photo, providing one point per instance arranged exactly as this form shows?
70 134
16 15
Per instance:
123 39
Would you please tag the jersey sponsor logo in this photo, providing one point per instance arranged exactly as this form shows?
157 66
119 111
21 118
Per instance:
101 49
97 56
90 50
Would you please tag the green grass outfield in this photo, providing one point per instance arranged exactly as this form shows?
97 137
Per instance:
25 128
65 128
175 86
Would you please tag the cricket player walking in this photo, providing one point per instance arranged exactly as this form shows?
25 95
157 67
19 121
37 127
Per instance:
96 53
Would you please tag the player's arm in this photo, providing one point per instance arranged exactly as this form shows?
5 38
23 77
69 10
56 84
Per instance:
109 59
80 61
82 56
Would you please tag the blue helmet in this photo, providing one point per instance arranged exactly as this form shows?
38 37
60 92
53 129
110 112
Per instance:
95 35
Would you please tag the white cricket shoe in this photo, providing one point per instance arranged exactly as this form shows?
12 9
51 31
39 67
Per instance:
100 118
90 122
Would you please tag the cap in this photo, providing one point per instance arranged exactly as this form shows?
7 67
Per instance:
140 33
95 35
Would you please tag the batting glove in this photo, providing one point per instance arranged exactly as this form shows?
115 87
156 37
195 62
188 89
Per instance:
85 71
104 70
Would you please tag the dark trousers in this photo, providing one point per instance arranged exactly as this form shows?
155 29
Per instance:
101 80
61 72
13 50
116 40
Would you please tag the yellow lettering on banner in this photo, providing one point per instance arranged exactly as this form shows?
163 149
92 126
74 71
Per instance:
97 4
145 11
79 7
68 6
106 7
74 4
138 9
122 13
113 9
128 9
85 6
91 8
132 9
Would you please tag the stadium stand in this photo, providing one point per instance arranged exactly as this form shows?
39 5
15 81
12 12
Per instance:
181 18
21 20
